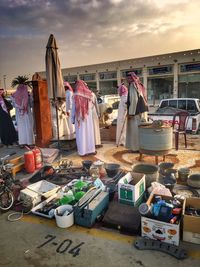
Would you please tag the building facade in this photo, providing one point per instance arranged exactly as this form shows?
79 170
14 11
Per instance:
165 76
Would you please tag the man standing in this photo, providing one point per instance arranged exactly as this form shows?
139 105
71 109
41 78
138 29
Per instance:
136 110
122 112
23 103
8 134
82 117
69 95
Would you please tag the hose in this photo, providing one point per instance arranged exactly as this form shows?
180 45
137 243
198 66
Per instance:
19 215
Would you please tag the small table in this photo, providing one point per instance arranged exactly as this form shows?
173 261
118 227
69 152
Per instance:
153 153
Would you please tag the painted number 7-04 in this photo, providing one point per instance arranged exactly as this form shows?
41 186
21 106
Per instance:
65 246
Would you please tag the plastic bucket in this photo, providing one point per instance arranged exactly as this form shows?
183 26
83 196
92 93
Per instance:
64 220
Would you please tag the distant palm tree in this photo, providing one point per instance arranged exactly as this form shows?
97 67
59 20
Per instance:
21 80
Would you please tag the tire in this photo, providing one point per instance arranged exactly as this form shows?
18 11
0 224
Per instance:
6 200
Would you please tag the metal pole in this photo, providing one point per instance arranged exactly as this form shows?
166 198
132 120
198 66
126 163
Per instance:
4 81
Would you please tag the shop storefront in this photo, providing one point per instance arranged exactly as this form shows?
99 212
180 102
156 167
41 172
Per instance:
108 83
159 83
189 80
164 76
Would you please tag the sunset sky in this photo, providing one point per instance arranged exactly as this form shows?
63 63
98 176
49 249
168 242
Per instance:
92 31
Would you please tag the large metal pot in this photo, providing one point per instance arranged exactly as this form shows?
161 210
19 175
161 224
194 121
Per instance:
150 171
155 140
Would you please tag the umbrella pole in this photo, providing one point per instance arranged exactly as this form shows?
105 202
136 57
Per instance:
58 132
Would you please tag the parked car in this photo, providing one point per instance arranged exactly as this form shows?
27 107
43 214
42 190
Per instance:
168 107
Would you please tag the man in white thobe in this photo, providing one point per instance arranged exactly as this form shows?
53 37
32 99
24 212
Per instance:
136 110
23 103
82 118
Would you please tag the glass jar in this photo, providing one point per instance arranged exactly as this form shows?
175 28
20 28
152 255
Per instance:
100 165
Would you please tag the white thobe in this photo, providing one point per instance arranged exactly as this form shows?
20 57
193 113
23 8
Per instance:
132 131
62 120
69 95
84 131
24 123
121 121
95 117
132 138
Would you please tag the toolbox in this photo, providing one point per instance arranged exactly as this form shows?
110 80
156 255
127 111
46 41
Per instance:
87 215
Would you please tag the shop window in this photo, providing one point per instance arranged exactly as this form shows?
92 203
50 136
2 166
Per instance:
108 87
190 67
87 77
70 79
160 70
159 88
107 75
189 85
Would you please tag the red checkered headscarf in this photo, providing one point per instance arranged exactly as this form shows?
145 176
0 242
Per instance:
68 86
140 87
21 97
82 98
122 89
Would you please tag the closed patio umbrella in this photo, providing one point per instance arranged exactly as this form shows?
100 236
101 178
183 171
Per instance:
54 75
53 70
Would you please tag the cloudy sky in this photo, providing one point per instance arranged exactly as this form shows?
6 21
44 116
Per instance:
92 31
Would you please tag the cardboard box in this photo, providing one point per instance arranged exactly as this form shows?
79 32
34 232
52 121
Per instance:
191 224
159 230
131 188
108 134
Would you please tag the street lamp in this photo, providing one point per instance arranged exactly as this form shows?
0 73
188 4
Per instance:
4 81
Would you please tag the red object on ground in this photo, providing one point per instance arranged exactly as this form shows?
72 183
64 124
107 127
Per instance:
29 161
37 157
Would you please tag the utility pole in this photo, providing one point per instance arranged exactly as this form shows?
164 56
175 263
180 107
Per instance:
4 82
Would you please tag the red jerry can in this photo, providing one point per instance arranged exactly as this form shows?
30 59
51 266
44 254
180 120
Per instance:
29 161
38 158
